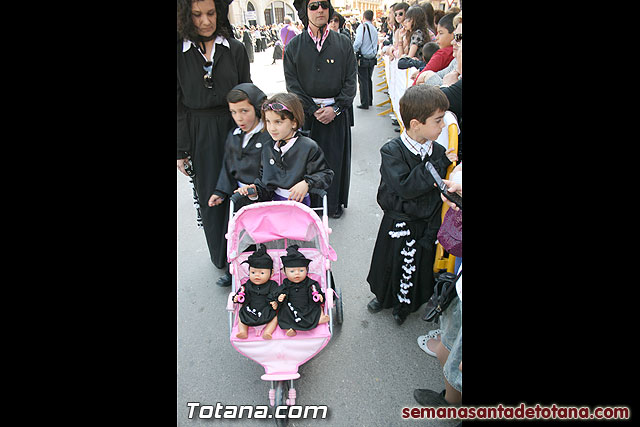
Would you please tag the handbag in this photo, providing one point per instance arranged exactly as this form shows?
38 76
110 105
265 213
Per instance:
450 232
444 291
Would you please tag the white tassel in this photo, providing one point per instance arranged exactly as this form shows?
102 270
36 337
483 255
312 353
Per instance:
409 269
408 253
400 224
398 234
402 299
411 243
408 260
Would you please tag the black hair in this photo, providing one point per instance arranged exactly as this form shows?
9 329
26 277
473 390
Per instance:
187 30
447 22
428 50
420 102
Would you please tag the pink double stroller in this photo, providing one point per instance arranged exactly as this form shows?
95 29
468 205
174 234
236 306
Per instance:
278 225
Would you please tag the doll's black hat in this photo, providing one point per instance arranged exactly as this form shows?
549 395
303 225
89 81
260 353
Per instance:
294 258
260 258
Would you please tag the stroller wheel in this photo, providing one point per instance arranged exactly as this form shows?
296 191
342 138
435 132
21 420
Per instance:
282 390
339 308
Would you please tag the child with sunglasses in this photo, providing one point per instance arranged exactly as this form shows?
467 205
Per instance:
292 163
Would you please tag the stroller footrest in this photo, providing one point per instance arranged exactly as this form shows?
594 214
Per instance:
281 376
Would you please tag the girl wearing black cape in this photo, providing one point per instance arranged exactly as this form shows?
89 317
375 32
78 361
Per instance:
300 295
210 61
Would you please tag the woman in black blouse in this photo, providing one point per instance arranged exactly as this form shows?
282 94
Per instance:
210 63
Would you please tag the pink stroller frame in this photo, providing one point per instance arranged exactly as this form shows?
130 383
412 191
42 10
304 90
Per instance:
277 225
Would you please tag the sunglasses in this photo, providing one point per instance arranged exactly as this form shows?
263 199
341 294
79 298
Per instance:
457 37
276 106
208 77
316 4
400 13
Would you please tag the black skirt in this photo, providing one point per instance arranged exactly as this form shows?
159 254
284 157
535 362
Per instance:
209 130
335 140
401 271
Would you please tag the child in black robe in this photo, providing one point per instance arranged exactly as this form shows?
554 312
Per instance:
258 296
292 163
300 295
243 147
401 271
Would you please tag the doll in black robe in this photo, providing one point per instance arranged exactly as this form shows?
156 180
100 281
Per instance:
258 296
300 295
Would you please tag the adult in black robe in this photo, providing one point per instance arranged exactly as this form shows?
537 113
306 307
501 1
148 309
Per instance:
329 73
248 43
203 121
401 270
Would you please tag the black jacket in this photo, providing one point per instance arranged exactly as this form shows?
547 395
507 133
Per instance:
330 73
406 190
304 160
241 164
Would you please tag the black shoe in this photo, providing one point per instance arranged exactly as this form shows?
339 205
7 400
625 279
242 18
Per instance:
396 129
224 281
399 318
338 213
363 107
395 122
374 306
430 397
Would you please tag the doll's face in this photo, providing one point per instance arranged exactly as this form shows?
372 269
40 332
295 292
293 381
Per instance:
296 274
259 275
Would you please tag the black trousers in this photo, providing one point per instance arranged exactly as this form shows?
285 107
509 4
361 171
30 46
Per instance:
365 72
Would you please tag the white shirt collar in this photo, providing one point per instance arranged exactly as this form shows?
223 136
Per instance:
249 135
414 146
286 147
186 44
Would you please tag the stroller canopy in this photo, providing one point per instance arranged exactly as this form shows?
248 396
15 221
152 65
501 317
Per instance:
268 221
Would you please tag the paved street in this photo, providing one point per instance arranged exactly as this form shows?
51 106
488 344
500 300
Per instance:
369 369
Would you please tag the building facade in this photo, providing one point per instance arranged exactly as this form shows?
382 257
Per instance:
260 12
267 12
